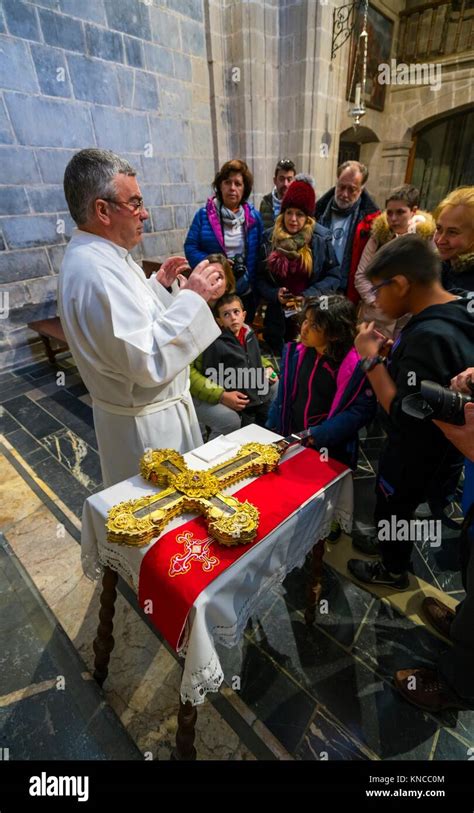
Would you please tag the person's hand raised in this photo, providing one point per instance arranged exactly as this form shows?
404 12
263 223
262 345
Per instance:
205 280
170 269
370 342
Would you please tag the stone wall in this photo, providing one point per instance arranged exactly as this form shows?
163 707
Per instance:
129 75
178 87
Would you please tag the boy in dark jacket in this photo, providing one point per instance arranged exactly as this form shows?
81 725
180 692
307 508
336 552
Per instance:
233 362
435 345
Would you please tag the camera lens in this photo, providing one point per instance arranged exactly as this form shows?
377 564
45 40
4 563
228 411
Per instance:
447 405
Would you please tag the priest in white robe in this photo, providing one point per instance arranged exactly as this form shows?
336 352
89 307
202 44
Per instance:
131 339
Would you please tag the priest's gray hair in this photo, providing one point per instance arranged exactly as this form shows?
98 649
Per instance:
90 175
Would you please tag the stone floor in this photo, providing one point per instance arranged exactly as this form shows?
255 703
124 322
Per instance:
306 693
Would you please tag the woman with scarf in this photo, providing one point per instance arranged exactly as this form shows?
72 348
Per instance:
229 225
454 239
401 216
297 261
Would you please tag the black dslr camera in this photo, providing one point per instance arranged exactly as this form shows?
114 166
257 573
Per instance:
435 401
238 266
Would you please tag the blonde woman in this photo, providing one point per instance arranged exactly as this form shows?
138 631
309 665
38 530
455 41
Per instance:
297 261
401 216
454 239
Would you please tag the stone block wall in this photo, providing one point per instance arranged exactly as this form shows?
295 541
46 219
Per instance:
127 75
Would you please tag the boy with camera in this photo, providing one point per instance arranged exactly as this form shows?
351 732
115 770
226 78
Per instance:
435 345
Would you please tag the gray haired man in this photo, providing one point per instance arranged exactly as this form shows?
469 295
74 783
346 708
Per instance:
131 339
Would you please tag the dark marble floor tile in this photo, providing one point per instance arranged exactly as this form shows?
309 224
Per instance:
7 422
372 446
62 483
364 500
443 561
67 721
364 468
462 722
342 606
38 422
34 370
74 453
23 659
370 709
48 726
450 747
274 698
43 370
326 739
24 638
24 443
36 457
73 413
458 594
421 568
389 641
6 377
77 389
11 389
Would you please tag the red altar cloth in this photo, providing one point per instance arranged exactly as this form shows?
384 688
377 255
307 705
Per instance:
172 577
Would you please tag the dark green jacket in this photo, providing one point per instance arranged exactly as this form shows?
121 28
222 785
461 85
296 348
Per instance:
266 211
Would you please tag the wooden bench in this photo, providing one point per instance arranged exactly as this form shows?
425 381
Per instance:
51 329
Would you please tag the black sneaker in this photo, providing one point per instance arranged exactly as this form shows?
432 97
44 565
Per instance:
366 544
375 573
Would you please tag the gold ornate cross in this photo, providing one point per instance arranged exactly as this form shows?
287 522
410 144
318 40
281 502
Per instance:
230 522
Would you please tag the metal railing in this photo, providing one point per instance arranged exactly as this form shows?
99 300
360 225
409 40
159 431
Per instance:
436 29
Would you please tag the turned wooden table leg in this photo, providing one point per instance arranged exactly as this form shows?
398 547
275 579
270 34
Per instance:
184 748
104 643
315 583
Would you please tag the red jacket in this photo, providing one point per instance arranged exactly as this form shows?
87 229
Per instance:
361 237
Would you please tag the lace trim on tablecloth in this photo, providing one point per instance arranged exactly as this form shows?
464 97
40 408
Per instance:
91 566
196 685
109 558
230 636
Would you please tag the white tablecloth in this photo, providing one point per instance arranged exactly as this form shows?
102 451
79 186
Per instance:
221 611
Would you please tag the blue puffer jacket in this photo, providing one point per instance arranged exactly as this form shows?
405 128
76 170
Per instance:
205 237
354 405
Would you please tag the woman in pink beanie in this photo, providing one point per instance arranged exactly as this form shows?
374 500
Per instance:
297 261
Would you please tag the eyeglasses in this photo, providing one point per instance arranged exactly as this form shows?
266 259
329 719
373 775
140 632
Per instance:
134 206
376 288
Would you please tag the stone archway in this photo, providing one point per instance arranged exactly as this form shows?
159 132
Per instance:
351 141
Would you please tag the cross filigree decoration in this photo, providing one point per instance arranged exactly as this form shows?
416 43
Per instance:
229 521
195 550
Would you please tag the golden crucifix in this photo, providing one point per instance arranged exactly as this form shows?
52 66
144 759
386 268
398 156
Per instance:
230 522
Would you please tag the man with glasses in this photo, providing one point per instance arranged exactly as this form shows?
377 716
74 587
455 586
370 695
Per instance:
271 203
341 209
131 338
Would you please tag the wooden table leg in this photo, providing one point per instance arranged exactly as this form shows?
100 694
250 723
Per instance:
315 583
104 643
185 735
